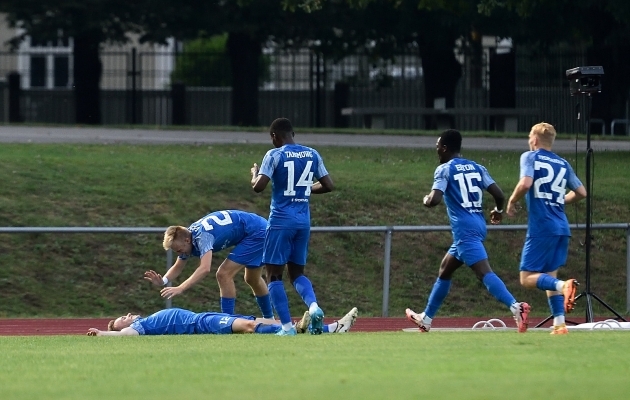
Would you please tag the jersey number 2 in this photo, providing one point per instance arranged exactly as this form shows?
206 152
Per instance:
225 221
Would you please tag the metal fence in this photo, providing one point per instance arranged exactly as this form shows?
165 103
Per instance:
298 84
387 230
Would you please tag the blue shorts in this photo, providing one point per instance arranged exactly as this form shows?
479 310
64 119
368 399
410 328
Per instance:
469 252
217 323
286 245
544 254
249 251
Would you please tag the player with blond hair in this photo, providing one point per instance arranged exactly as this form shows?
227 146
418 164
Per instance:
544 178
214 232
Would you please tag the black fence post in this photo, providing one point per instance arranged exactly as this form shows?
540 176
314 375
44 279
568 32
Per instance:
341 100
14 97
178 96
134 98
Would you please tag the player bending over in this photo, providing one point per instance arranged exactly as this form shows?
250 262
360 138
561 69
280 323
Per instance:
214 232
177 321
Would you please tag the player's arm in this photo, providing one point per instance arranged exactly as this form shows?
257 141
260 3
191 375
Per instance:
519 192
205 264
128 331
496 215
575 195
259 181
323 185
171 274
433 199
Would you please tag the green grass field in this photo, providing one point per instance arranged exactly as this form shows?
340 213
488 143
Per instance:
126 185
438 365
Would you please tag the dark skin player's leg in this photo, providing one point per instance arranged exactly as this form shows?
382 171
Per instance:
450 264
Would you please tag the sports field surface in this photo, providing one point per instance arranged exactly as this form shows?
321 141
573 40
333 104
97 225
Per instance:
384 365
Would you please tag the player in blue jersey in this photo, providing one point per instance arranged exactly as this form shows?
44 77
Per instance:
177 321
544 178
291 168
212 233
461 183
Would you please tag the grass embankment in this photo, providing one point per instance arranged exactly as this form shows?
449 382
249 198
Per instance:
121 185
439 365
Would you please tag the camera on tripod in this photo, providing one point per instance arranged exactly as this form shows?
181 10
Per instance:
585 80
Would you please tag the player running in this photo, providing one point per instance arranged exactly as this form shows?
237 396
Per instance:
460 182
215 232
544 178
291 168
177 321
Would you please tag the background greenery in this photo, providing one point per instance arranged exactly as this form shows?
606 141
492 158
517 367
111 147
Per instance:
157 186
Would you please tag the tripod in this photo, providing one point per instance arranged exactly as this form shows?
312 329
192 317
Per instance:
587 293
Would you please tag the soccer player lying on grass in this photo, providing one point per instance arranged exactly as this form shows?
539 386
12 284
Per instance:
214 232
177 321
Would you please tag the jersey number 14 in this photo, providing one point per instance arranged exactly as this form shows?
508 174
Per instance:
306 178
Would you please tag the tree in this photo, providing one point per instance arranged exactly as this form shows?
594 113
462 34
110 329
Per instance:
90 23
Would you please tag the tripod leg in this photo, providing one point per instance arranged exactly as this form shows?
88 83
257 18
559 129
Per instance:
608 307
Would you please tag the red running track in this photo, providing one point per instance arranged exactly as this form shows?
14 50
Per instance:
79 326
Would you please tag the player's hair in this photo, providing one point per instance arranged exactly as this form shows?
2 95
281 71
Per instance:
281 127
452 139
173 233
545 132
110 325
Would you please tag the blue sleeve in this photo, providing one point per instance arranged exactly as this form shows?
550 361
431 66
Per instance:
573 182
486 179
321 169
205 243
269 163
137 326
527 164
440 178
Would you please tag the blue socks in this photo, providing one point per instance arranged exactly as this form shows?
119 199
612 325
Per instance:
227 305
268 329
556 304
440 289
497 288
280 301
304 287
546 282
264 303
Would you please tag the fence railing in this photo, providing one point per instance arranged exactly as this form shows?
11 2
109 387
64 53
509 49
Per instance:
388 230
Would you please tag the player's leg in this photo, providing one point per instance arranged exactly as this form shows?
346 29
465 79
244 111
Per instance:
259 325
253 277
542 256
249 252
227 289
441 287
303 285
275 256
497 288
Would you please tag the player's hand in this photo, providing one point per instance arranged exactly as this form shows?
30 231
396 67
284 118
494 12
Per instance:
425 201
154 278
93 332
511 209
254 170
495 217
170 292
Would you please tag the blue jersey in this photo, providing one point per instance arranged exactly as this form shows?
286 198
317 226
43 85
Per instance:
222 229
176 321
171 321
462 182
552 174
291 169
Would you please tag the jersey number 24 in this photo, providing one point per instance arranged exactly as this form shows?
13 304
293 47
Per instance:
558 185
